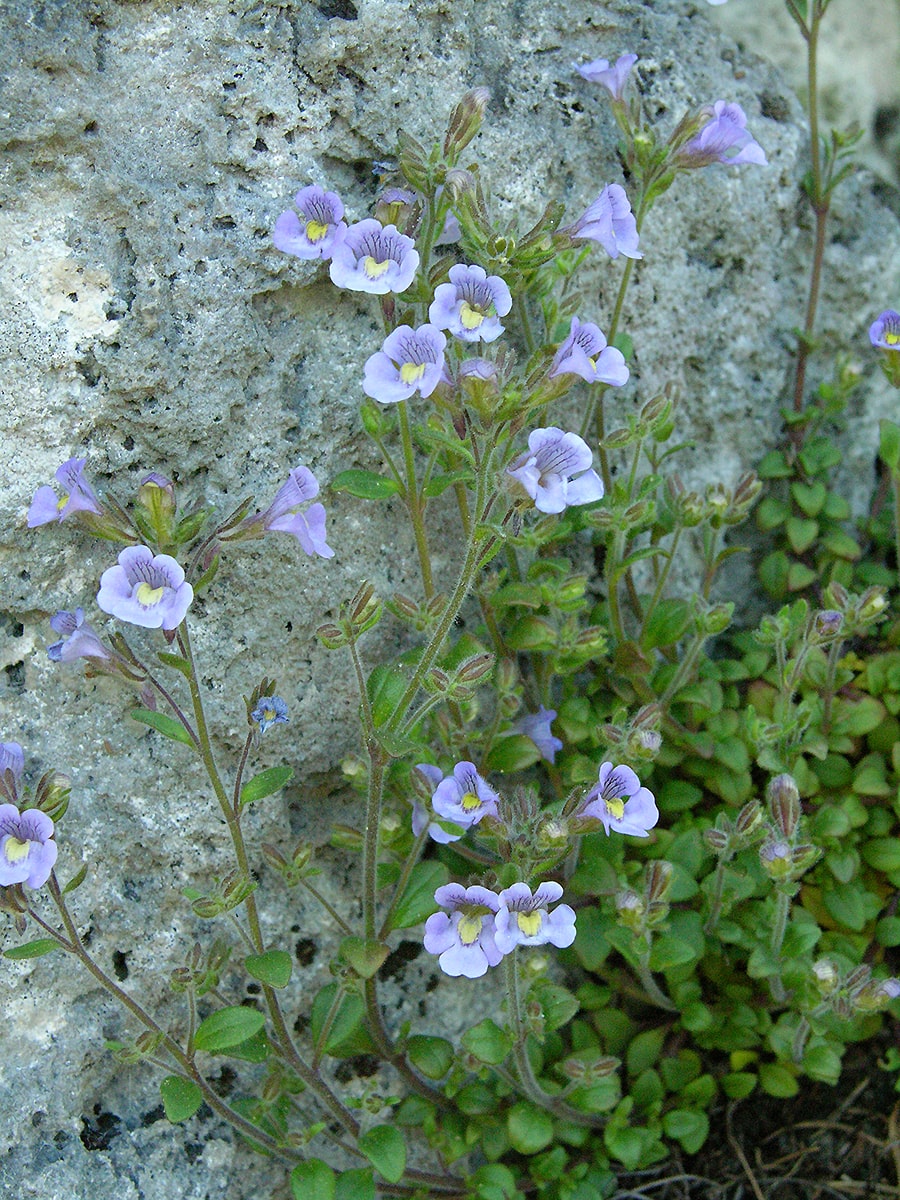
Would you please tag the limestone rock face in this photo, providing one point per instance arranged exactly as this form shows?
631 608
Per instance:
149 324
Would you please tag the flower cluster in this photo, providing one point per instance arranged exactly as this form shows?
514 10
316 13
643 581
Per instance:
479 926
724 138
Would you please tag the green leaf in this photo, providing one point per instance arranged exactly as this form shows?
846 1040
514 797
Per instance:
809 497
365 957
417 901
228 1027
433 1056
487 1042
687 1127
438 484
669 951
313 1180
272 968
842 545
163 724
530 1128
666 624
644 1050
800 576
516 752
32 949
774 465
181 1098
355 1185
266 783
531 633
889 444
175 661
557 1003
882 853
801 533
77 879
846 905
385 1148
255 1050
367 485
517 595
738 1084
778 1080
347 1035
822 1063
385 686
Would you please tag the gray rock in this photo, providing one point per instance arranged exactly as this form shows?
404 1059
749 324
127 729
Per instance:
149 324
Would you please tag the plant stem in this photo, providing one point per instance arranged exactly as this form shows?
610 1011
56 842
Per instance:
649 984
527 1077
414 501
715 908
779 928
411 860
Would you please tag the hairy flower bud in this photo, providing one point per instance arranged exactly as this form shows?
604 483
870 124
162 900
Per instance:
826 975
465 122
784 805
658 880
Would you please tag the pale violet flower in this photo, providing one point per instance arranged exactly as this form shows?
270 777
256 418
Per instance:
375 258
77 496
609 221
79 639
724 138
145 589
12 759
471 304
271 710
439 830
536 726
318 228
411 360
284 516
585 353
464 935
525 919
464 797
614 78
884 332
556 470
620 802
27 849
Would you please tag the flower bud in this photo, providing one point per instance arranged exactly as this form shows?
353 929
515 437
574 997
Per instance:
717 840
331 636
658 880
749 820
784 804
156 500
826 975
630 910
777 859
475 668
465 122
827 625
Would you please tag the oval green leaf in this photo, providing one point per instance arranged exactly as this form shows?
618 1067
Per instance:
167 726
365 484
266 783
228 1027
313 1180
32 949
181 1098
273 967
385 1148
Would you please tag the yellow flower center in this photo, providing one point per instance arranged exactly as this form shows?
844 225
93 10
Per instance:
16 849
529 923
616 809
892 338
469 801
374 269
269 714
410 372
62 502
469 928
470 317
315 230
147 595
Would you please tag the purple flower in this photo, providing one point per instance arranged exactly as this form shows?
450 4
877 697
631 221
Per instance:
422 819
524 919
609 221
464 939
284 516
271 710
889 988
471 304
612 78
724 139
27 851
585 353
546 471
411 360
319 230
537 727
884 333
145 589
79 639
374 258
464 797
78 496
619 801
12 759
